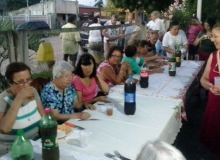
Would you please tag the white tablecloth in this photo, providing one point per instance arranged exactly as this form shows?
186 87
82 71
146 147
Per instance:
156 117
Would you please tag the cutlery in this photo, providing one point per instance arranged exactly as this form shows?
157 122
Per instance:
112 156
73 126
120 156
92 119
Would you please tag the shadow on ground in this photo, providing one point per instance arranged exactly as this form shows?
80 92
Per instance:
187 140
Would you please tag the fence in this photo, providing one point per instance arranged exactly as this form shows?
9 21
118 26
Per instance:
21 46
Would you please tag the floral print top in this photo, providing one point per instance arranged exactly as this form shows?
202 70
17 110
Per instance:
53 99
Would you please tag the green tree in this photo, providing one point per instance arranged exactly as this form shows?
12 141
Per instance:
147 5
99 3
17 4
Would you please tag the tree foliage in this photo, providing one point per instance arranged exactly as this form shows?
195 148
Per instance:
17 4
99 3
147 5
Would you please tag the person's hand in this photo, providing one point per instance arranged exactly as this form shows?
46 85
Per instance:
208 85
26 94
83 115
90 106
204 37
215 90
101 99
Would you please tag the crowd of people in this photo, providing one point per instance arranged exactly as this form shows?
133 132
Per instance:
78 86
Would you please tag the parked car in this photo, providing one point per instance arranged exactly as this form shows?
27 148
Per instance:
32 25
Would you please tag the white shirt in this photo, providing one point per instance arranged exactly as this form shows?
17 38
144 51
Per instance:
150 24
95 35
112 32
159 25
169 40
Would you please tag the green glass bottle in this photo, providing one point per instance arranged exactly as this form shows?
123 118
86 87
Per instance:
22 148
48 131
178 55
172 65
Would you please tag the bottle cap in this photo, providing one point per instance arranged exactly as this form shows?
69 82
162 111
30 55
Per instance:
130 76
47 111
20 132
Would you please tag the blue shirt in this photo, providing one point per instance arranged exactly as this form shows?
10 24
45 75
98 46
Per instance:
159 48
53 99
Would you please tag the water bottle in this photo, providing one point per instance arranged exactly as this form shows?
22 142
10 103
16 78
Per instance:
130 96
48 131
22 148
144 76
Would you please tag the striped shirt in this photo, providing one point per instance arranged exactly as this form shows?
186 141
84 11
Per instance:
27 119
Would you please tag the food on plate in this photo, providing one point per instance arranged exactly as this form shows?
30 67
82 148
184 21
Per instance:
64 128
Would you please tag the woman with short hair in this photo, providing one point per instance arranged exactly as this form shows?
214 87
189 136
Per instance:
173 37
60 96
20 108
111 71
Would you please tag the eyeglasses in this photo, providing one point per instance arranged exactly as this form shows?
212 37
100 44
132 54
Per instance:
66 77
214 69
115 56
22 83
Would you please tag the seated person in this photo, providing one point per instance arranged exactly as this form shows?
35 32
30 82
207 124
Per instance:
142 49
20 108
110 69
60 96
89 86
159 46
159 150
136 62
151 43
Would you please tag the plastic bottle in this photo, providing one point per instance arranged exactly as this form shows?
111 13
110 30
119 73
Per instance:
22 148
172 65
48 131
144 76
130 96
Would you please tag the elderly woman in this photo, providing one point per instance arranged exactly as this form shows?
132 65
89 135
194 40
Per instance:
203 40
20 108
210 132
159 150
174 37
89 86
110 69
59 95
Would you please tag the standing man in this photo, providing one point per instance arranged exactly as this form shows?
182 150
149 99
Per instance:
111 35
158 23
127 30
70 41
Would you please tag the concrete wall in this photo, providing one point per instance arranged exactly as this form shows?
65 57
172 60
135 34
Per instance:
62 7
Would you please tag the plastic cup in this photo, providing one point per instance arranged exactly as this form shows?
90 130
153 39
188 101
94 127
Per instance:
217 81
109 110
196 57
84 138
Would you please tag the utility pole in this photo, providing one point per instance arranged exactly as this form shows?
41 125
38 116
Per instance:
199 9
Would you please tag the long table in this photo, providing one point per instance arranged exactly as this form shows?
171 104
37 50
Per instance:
157 116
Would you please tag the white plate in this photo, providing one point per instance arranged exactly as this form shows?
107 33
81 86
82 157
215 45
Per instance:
60 134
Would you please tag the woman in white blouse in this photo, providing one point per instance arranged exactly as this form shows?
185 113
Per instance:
174 36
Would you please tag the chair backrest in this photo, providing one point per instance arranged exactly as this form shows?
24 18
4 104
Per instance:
39 83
